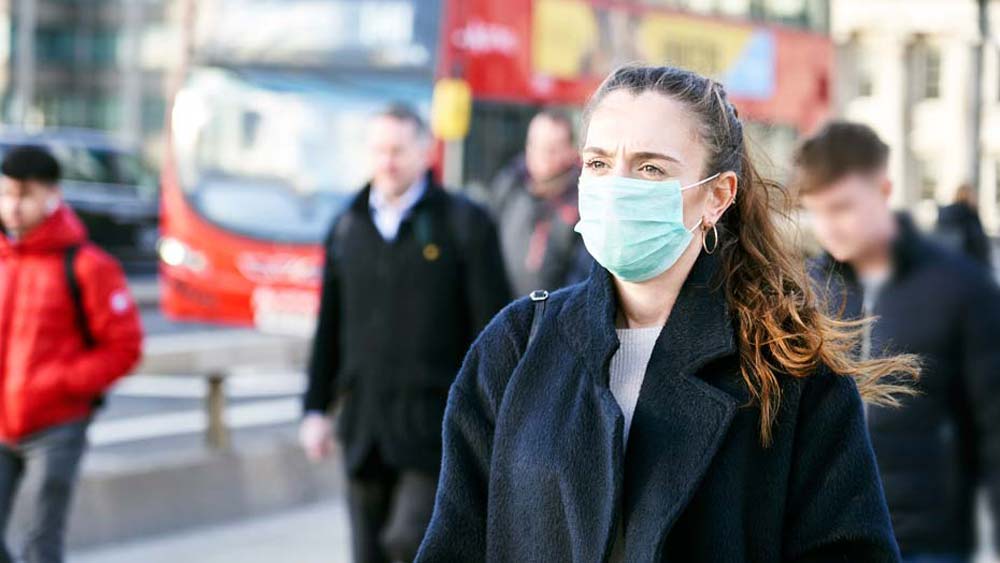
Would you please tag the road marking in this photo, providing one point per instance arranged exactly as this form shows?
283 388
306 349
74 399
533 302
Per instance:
212 340
146 427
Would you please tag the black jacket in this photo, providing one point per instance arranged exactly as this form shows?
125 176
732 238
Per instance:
959 228
396 319
942 444
534 469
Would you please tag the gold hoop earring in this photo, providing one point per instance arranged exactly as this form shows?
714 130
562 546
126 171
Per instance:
715 238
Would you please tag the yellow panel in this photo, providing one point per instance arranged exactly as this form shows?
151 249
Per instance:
708 48
564 33
451 109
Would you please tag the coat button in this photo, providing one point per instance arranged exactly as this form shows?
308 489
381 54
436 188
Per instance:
431 252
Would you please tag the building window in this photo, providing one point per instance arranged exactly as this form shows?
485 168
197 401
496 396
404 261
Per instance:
788 12
153 114
865 80
55 45
64 109
736 8
104 48
927 71
927 180
809 14
856 60
996 186
998 73
932 74
106 112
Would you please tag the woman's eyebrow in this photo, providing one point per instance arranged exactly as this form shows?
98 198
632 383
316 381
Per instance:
647 155
597 150
644 155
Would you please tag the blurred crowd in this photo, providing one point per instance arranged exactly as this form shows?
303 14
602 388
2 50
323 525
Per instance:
414 273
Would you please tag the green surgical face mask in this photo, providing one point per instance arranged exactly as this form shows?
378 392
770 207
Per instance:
634 228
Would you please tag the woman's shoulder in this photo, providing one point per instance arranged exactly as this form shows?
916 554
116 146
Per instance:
511 326
497 351
823 391
820 379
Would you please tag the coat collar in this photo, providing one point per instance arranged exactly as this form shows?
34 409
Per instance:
680 420
432 193
57 232
699 329
378 203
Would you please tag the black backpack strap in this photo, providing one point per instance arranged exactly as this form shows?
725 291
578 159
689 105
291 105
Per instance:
338 237
538 297
460 219
76 294
460 224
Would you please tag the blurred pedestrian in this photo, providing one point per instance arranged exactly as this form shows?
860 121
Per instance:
535 202
689 402
936 451
959 227
412 274
68 329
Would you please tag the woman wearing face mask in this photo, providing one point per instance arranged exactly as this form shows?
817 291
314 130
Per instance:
690 401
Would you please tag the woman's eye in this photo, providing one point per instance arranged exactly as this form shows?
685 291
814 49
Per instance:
595 164
651 170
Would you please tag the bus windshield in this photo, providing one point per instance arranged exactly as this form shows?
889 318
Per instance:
274 156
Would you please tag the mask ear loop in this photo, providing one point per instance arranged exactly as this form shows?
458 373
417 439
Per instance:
695 185
715 230
706 180
696 225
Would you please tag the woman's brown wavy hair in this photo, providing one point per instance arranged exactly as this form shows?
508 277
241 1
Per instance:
781 323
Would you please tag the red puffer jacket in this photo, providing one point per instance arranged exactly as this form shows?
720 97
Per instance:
48 375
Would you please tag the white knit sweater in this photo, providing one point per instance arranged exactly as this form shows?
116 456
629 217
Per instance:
628 367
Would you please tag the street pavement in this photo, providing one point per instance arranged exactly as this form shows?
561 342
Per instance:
313 534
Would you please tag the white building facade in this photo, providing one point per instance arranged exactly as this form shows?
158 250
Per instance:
906 68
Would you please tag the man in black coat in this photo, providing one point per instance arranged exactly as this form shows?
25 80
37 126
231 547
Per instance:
944 443
412 274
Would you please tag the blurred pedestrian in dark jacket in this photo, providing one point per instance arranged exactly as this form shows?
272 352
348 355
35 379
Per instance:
959 227
535 202
68 330
412 274
936 451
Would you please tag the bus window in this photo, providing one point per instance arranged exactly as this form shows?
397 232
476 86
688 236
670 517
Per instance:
271 156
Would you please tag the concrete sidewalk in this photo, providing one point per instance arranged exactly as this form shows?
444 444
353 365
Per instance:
312 534
122 498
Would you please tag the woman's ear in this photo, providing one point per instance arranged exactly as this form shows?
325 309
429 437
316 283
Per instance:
721 195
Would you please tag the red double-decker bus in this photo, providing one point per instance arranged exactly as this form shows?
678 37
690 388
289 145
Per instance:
266 130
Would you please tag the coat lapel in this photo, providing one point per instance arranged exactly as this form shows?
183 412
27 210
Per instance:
680 420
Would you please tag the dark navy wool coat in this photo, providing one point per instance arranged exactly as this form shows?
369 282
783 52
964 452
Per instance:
534 468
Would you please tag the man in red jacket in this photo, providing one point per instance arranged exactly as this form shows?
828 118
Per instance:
68 329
